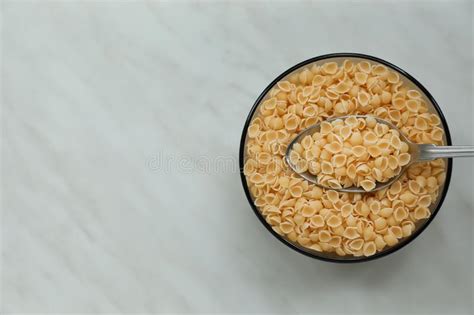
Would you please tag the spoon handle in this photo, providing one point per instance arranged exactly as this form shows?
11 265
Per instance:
431 152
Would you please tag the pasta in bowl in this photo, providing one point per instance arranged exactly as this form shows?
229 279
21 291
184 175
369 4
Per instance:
323 223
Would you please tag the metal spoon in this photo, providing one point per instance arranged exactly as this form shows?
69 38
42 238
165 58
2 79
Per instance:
418 152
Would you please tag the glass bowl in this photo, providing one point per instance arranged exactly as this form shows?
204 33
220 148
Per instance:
409 82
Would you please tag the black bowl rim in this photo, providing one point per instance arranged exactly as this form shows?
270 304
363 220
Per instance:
355 259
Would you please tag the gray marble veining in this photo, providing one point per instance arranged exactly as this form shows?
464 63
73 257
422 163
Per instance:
121 122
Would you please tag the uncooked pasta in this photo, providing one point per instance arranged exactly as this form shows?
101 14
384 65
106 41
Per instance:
343 165
323 220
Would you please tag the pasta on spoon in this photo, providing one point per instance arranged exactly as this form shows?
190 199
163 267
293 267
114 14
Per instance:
352 151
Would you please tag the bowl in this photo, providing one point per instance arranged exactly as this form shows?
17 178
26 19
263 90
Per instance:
410 82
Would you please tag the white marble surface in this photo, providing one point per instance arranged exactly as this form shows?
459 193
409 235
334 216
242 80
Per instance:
95 91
